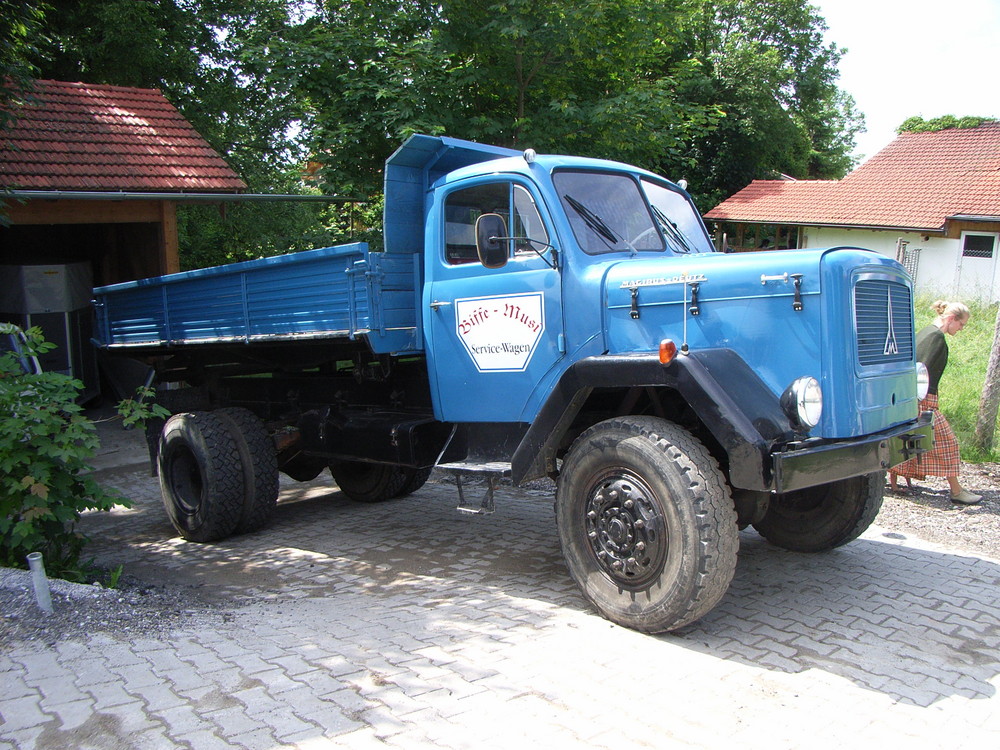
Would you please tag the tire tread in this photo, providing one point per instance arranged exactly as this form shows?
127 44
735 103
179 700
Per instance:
222 503
712 508
260 466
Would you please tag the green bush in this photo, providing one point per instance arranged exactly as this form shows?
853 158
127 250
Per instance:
45 446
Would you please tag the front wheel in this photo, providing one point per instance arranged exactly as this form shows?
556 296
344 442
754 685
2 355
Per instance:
823 517
646 523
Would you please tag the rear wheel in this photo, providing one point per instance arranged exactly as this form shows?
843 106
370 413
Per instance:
201 476
414 479
646 523
823 517
260 466
368 483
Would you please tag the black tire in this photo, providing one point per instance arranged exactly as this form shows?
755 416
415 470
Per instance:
301 468
413 480
823 517
260 467
201 476
646 523
368 483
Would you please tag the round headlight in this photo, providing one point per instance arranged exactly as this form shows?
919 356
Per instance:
923 381
803 402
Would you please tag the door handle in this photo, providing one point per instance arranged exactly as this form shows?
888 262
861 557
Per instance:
436 304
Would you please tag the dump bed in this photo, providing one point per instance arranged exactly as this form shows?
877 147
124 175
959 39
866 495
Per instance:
333 292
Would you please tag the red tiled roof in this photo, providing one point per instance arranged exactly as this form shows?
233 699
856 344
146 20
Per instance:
916 182
81 136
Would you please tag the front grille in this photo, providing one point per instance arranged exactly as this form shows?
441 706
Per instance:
883 318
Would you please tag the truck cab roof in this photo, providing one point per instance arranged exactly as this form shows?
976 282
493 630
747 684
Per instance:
424 161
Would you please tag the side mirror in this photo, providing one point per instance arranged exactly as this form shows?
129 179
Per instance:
491 240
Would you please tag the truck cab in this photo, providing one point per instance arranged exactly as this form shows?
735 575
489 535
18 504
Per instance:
537 269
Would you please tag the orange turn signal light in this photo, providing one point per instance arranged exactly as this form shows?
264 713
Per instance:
668 350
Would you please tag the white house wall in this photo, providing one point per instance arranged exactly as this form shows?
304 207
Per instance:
937 265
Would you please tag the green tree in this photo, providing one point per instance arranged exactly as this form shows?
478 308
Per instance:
769 69
20 25
718 91
369 73
917 124
597 77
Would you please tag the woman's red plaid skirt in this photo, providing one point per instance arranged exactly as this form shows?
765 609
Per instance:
944 460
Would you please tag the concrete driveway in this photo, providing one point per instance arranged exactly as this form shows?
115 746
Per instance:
407 624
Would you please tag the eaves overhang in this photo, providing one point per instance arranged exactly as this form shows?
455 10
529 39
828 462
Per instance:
974 217
179 197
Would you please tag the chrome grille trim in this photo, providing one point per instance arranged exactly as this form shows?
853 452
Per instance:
883 319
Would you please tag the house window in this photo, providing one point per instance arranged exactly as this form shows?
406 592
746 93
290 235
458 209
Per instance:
978 245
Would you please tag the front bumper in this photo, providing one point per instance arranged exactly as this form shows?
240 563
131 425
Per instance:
829 462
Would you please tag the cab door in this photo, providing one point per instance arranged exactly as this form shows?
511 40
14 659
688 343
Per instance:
492 333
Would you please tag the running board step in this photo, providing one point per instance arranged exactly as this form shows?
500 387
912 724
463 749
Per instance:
492 472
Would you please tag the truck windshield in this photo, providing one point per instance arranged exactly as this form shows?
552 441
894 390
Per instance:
677 219
607 212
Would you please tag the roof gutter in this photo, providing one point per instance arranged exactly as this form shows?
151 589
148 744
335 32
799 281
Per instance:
96 195
780 222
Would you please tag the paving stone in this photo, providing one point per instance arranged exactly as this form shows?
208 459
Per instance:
259 739
180 720
406 625
232 721
21 713
204 740
183 680
71 714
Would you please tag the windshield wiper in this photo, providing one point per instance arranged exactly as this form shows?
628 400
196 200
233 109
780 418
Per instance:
592 220
673 233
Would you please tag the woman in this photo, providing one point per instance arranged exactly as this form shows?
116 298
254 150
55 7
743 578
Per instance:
944 460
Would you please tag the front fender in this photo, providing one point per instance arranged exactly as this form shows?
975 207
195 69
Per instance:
730 399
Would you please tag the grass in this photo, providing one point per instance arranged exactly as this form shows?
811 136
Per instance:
962 383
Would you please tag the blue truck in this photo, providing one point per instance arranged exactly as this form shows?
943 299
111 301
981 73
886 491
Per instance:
542 316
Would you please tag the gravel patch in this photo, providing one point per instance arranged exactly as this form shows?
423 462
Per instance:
133 609
926 511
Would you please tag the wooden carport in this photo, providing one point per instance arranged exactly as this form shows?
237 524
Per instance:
93 173
90 177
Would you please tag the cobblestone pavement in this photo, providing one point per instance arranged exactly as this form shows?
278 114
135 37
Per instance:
407 624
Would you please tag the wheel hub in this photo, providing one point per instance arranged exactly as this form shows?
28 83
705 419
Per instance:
625 529
185 478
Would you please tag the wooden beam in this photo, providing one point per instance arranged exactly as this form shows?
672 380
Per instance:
85 212
955 228
169 254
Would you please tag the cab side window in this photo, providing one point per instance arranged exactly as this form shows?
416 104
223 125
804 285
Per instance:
528 229
513 202
461 210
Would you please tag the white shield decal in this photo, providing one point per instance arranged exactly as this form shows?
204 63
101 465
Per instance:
501 333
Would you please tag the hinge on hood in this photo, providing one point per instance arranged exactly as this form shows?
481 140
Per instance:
797 282
694 309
